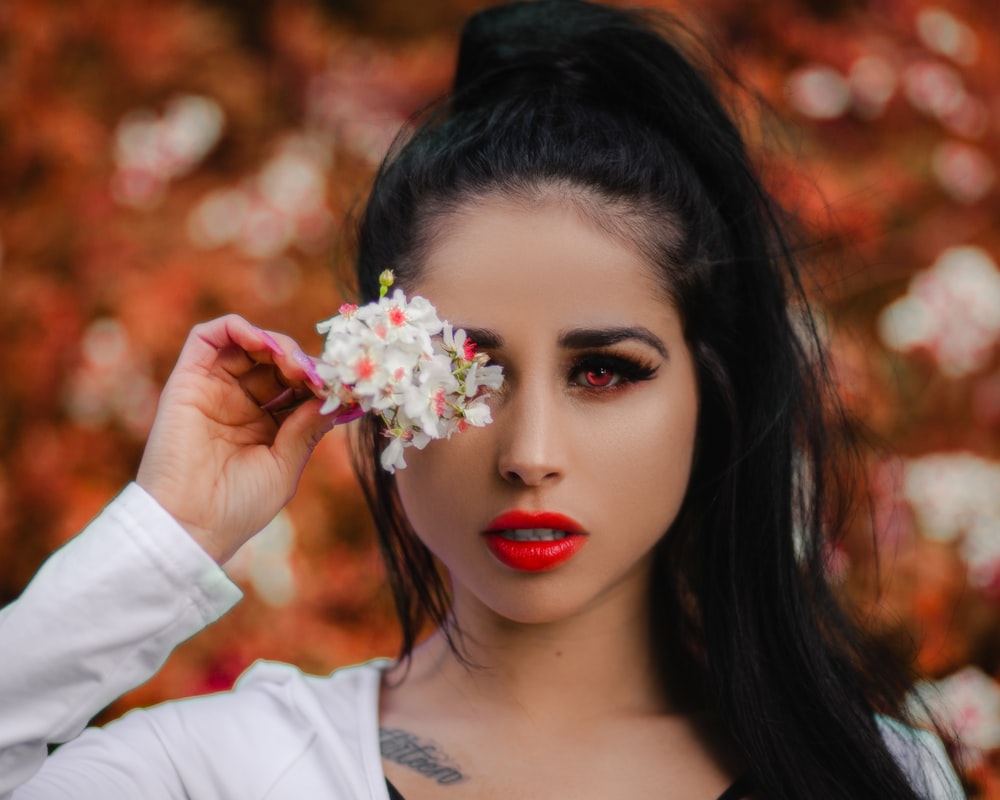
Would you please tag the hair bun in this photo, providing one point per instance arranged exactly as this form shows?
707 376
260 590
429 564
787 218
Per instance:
522 46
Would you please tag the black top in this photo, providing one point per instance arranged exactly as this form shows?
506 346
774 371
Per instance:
740 789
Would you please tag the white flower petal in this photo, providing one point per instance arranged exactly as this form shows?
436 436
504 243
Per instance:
397 357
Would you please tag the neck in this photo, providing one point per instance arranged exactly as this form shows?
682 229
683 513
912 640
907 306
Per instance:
588 664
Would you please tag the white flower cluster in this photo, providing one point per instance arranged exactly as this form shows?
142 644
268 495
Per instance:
394 357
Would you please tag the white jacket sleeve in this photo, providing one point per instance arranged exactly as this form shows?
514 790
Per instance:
99 618
923 758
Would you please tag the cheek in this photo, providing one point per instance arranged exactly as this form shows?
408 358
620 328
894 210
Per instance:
414 487
644 460
436 486
642 457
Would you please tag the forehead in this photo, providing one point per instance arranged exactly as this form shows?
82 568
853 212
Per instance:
547 252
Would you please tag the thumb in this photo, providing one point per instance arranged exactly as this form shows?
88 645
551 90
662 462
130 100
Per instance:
300 433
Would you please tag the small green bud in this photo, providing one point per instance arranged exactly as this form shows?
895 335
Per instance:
385 280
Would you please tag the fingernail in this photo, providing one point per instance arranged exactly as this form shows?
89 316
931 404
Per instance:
272 345
310 368
349 414
278 400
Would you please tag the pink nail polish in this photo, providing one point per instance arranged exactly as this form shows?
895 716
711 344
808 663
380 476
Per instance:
348 414
310 368
279 400
272 345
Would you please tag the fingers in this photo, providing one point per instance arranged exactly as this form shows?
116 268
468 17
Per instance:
270 367
265 385
233 346
293 366
232 341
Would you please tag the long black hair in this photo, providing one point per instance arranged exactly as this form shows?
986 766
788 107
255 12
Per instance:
603 103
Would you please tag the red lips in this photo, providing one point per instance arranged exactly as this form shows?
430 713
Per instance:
533 555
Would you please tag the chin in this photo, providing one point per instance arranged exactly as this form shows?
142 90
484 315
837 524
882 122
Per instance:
522 606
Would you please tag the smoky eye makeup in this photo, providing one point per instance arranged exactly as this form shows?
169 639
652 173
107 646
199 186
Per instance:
605 371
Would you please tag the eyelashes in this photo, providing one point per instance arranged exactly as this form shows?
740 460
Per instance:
603 371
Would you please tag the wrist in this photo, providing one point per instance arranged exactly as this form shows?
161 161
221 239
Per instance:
206 538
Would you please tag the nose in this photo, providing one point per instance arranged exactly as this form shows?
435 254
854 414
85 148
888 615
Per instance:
532 443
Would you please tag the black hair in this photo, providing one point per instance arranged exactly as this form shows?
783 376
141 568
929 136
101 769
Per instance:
605 105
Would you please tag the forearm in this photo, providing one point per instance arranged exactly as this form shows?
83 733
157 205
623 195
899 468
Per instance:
101 617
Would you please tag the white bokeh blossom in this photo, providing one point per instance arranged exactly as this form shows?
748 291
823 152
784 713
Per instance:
955 497
151 150
952 309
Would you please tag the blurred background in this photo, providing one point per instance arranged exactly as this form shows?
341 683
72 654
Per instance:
165 161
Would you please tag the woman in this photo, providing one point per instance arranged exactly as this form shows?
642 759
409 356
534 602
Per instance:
635 602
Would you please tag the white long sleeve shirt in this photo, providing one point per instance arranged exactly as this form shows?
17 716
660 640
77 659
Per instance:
101 617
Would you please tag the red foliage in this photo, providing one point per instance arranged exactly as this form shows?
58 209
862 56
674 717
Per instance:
98 295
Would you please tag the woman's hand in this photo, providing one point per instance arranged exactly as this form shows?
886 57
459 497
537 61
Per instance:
232 435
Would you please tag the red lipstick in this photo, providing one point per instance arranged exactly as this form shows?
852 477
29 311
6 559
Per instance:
522 540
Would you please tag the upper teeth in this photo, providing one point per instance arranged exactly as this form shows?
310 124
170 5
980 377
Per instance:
533 534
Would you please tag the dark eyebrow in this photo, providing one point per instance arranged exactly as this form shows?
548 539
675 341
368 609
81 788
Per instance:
579 338
586 338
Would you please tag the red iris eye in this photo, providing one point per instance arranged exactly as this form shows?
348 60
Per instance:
602 376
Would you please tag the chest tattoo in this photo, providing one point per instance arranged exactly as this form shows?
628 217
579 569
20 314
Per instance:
423 756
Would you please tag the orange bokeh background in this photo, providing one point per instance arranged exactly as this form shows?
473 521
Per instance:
163 162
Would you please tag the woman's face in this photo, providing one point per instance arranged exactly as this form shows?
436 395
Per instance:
552 510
